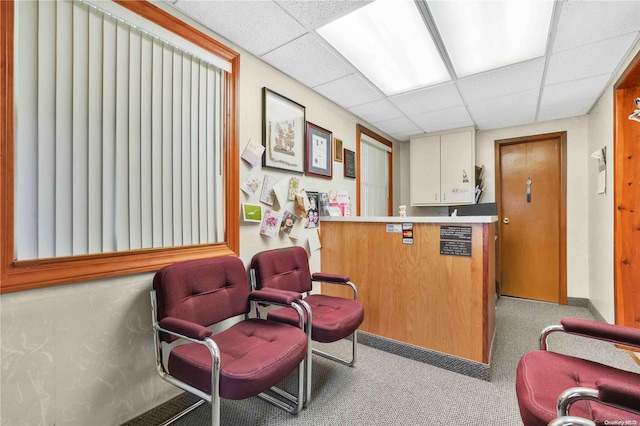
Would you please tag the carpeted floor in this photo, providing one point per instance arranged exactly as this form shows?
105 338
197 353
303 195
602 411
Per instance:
386 389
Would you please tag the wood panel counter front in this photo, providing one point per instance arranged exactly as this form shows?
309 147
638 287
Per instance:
411 292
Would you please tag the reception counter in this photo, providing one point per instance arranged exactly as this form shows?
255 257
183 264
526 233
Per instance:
424 281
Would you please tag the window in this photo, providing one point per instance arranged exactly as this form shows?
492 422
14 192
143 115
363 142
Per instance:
374 188
121 155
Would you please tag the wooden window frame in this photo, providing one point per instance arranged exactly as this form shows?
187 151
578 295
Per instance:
360 130
26 275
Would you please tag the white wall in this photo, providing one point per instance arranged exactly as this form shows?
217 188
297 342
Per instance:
601 206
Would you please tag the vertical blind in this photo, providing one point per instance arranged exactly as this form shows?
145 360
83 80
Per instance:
118 137
374 177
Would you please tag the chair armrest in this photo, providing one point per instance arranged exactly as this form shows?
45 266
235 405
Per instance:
271 295
329 278
618 334
621 396
602 331
183 328
335 279
613 392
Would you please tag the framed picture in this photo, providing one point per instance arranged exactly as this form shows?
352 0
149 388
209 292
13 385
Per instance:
318 151
337 150
349 163
282 132
251 212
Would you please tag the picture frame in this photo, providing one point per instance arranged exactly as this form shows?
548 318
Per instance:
283 132
349 163
337 150
251 212
318 152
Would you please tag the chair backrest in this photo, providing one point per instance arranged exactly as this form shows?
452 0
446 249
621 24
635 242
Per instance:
284 269
203 291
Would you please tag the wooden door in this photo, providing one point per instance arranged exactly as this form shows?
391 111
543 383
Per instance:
532 221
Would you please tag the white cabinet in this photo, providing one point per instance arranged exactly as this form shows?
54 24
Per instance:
442 168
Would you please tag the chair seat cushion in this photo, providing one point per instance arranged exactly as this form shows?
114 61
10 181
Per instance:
542 376
254 356
333 318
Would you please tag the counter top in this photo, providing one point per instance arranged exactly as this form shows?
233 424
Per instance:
413 219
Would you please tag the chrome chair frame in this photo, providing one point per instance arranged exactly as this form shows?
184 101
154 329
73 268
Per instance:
354 335
294 406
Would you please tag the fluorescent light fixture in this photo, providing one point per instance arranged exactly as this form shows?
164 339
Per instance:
388 41
483 35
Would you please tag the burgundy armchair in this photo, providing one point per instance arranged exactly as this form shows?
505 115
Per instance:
328 318
558 389
245 359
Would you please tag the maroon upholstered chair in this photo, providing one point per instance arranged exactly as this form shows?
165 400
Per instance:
331 318
558 389
245 359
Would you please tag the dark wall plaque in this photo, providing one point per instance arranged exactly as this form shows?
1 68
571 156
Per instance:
455 240
455 248
455 233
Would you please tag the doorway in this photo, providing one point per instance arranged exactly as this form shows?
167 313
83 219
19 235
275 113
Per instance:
531 196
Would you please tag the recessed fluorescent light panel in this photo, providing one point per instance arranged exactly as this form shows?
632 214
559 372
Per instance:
388 41
483 35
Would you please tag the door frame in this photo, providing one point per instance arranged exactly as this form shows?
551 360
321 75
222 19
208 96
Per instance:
624 149
562 136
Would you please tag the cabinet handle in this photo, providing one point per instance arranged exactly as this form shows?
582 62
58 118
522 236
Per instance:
435 196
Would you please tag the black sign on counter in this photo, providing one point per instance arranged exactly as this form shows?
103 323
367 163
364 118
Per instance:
455 240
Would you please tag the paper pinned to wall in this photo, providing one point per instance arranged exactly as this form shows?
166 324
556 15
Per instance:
601 156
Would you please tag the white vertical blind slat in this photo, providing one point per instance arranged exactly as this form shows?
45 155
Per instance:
27 106
146 199
64 130
202 154
80 138
186 151
219 207
167 147
193 149
177 149
156 142
122 138
109 55
135 201
95 168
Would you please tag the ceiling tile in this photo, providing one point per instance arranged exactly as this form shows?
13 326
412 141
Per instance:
430 99
256 26
349 91
308 61
503 81
573 109
376 111
401 125
588 61
572 91
314 14
586 22
505 111
443 119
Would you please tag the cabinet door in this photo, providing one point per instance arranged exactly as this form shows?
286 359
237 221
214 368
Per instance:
424 165
457 175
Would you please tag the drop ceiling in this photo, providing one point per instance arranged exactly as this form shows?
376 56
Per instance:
586 43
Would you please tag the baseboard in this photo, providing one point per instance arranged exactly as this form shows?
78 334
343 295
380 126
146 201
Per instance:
584 302
438 359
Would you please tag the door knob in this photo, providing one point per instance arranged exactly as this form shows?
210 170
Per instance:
505 220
